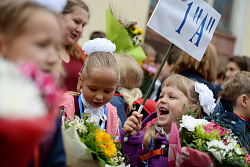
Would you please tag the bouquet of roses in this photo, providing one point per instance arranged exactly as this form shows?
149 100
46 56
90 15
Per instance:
125 35
27 102
85 143
204 143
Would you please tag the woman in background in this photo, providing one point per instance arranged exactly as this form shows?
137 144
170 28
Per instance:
74 17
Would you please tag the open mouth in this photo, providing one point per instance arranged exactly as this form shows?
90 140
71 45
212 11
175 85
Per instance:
163 111
73 35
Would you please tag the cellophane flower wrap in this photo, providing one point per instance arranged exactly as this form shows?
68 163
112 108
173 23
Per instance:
203 143
125 35
28 97
87 145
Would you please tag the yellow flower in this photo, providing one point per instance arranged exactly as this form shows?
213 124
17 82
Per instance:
98 137
109 153
104 141
140 39
140 31
102 146
135 32
106 137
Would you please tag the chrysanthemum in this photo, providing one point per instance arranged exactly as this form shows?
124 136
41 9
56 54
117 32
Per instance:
20 99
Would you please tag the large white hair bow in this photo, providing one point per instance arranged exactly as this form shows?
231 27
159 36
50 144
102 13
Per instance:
98 45
205 97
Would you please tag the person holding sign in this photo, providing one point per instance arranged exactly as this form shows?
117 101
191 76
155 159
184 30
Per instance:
152 134
204 71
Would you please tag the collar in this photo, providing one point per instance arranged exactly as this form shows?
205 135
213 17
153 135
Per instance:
242 117
162 132
98 114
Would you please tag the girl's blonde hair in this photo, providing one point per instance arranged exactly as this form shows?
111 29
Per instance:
131 76
187 86
207 67
15 14
69 8
97 60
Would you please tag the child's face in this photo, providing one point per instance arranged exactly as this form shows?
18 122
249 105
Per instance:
73 24
38 42
170 103
99 87
167 70
232 69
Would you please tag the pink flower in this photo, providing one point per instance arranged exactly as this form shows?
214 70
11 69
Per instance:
247 159
225 141
208 128
45 82
213 126
149 68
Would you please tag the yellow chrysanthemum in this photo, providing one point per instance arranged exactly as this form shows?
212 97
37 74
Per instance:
106 137
109 153
102 146
98 137
104 141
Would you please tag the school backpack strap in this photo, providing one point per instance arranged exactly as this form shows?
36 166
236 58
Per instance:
149 106
117 94
161 152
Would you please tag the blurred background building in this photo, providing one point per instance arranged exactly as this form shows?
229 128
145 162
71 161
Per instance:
232 36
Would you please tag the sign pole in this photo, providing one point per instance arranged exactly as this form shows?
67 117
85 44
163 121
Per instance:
152 84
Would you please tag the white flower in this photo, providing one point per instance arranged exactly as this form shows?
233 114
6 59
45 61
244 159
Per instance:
220 150
205 97
55 5
19 98
190 122
98 45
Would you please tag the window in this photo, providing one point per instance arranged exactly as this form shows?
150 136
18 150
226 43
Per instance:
224 7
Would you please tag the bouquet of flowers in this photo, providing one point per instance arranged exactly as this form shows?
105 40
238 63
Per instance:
125 35
205 144
85 143
27 101
133 31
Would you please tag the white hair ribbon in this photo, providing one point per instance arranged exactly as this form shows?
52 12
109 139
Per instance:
98 45
205 97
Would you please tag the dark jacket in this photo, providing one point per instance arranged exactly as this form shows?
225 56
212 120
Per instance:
133 147
223 113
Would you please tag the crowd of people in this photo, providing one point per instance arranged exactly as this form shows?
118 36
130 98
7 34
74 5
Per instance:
109 87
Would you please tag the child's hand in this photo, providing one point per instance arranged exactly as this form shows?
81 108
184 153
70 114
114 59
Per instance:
133 123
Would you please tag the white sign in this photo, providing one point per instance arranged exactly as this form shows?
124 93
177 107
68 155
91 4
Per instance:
189 24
